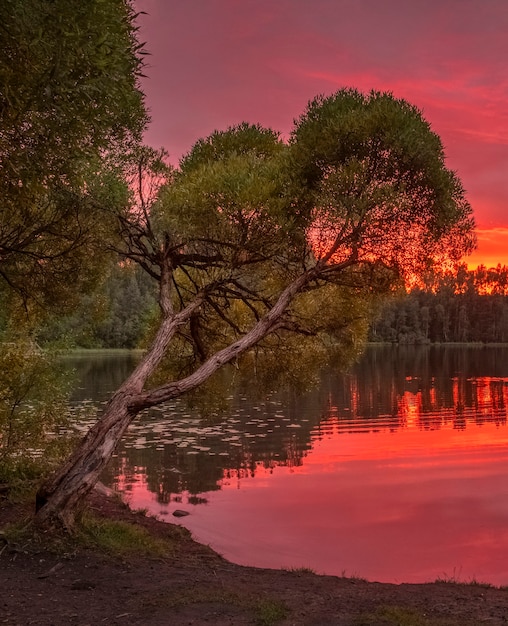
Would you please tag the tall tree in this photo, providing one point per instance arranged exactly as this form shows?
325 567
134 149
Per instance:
69 98
257 244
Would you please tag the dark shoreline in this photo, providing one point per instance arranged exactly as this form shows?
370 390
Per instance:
60 582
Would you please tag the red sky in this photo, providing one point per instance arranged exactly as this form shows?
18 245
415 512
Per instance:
215 63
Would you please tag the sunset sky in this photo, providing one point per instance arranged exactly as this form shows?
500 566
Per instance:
215 63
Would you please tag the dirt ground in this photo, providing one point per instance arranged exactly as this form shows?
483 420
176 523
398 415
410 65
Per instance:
76 585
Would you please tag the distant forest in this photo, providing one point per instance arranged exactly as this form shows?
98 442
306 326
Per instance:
117 315
462 306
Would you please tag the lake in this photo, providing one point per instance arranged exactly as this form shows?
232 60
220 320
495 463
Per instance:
395 471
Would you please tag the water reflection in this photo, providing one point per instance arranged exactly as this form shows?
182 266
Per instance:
426 388
395 470
100 372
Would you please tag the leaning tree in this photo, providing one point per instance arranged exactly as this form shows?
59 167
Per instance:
256 243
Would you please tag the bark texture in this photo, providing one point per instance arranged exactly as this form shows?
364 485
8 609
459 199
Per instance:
59 499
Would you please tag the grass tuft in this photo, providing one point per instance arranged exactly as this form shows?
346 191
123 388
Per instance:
299 570
455 579
264 611
270 612
121 538
353 577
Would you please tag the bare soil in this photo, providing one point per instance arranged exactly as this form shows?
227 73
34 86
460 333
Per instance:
76 585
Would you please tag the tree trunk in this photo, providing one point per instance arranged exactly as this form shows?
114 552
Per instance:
61 496
59 499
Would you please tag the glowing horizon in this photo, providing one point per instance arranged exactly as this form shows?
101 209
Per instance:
492 248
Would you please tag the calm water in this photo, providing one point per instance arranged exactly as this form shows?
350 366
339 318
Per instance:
395 471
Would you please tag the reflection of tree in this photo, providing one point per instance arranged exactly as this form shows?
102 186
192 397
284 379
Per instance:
198 459
424 388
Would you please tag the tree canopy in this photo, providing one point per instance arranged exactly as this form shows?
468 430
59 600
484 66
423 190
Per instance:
359 200
375 183
69 100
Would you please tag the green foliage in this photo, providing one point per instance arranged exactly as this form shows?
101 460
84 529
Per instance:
270 612
373 174
243 139
226 200
131 301
33 407
69 73
121 538
116 315
397 616
69 106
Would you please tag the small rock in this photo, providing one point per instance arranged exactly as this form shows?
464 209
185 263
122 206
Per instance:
180 513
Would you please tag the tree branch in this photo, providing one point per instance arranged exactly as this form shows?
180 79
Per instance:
262 328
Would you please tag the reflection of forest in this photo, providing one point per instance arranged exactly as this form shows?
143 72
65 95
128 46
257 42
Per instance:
421 387
100 372
391 388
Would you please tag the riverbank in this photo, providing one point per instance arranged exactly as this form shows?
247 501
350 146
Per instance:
163 577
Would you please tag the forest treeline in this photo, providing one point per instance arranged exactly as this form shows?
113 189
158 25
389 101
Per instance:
117 315
460 306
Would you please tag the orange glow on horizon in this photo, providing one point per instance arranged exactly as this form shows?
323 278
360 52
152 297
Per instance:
492 248
491 251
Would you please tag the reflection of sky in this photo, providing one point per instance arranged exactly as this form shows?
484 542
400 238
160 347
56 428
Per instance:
394 471
380 506
380 473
